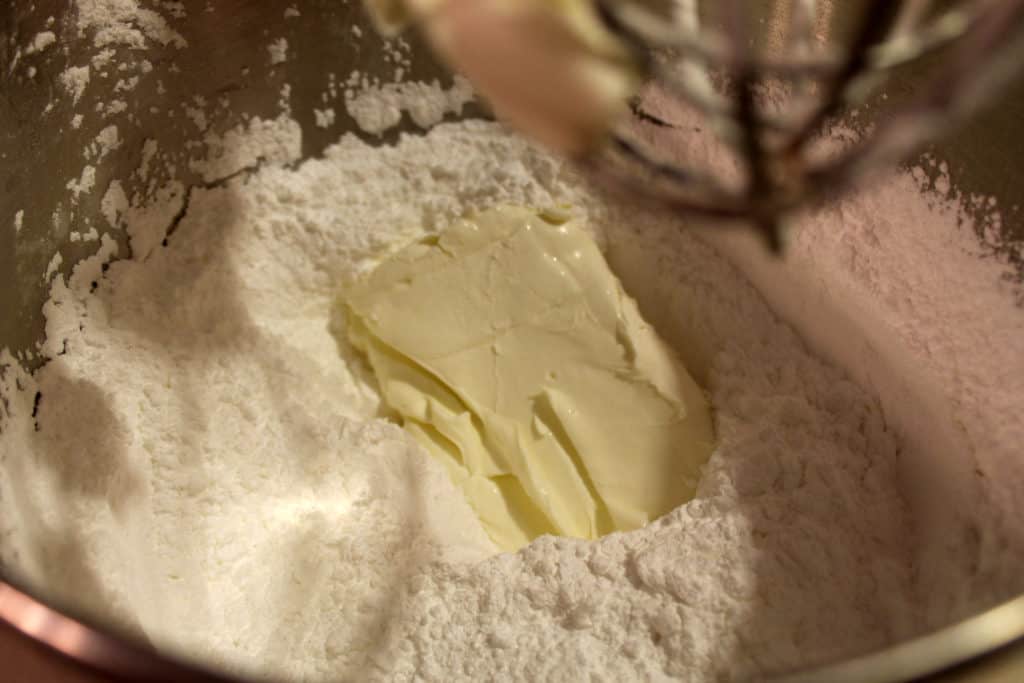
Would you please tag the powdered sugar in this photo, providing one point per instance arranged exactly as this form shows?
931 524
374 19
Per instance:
278 51
125 22
75 79
324 117
40 42
202 461
904 295
83 184
797 533
377 108
273 141
230 425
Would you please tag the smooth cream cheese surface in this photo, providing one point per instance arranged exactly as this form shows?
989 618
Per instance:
510 350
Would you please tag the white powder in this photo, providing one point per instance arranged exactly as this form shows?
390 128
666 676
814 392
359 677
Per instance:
19 220
40 42
198 117
114 204
149 151
894 285
53 266
75 79
124 22
903 293
209 468
324 117
111 107
236 497
145 226
379 108
278 51
106 141
84 184
284 100
274 141
102 58
126 84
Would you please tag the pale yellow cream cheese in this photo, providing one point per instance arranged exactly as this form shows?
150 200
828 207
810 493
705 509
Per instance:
511 352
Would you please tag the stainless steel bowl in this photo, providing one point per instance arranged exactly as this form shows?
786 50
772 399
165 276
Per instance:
226 61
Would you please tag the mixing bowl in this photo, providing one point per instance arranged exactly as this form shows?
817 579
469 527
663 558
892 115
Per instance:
220 61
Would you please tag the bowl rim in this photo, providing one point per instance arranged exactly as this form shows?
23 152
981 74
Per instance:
92 646
974 639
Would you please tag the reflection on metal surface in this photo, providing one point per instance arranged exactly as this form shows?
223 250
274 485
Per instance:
89 646
226 63
936 652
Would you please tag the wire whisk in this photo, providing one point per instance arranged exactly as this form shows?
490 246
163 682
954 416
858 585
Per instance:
571 71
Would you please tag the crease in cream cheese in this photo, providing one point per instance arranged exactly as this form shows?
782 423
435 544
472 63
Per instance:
511 352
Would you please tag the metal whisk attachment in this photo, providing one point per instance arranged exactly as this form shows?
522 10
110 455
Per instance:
565 71
975 45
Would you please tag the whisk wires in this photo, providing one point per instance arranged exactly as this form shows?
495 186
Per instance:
719 73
